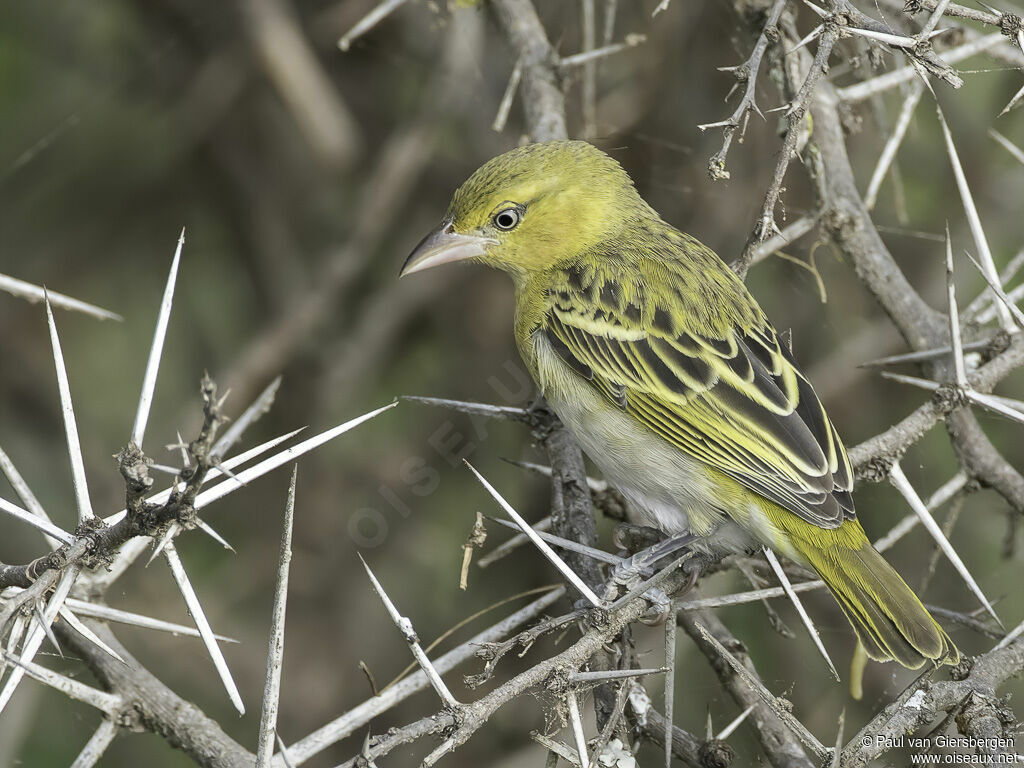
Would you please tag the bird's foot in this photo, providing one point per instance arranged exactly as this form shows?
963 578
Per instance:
663 605
660 610
642 565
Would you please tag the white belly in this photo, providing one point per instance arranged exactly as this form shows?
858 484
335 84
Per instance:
665 488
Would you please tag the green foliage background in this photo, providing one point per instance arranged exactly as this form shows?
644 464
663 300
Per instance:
124 121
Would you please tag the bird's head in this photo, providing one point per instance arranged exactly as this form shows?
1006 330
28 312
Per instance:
532 208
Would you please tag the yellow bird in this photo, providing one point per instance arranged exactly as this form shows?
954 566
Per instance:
664 367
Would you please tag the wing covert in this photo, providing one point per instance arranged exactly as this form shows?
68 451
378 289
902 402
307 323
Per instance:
735 402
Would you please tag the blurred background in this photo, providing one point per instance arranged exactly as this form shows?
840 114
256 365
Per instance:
303 175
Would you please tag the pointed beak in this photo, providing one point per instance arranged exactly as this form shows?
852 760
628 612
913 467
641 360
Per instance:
443 246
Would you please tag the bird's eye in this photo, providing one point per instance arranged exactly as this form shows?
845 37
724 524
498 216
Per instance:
507 219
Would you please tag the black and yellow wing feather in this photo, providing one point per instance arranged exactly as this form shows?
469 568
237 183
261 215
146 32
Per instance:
731 397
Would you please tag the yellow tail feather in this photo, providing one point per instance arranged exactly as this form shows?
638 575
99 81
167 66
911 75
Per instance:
884 612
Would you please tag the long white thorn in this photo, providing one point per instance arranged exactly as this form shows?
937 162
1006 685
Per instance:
898 41
205 632
1003 302
275 651
538 542
93 750
17 632
977 232
105 612
209 531
1008 145
505 548
133 548
866 88
506 100
28 498
36 293
70 427
670 684
283 752
899 131
259 407
954 318
349 722
822 13
728 731
773 561
900 482
837 752
576 720
997 405
156 350
101 700
1013 102
1011 409
942 494
369 21
741 598
215 472
567 544
47 629
406 628
35 636
172 530
221 490
430 760
36 522
614 674
585 57
809 37
1012 635
799 730
933 20
76 624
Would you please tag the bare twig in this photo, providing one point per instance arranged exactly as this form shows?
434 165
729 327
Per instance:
745 73
275 651
101 738
796 116
358 717
892 144
405 627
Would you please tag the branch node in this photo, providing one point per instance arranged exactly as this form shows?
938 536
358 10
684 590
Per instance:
1010 24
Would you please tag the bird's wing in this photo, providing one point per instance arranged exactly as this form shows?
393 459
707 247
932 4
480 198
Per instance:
736 403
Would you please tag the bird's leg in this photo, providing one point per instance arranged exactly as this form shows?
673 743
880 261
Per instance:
662 603
642 565
635 538
645 560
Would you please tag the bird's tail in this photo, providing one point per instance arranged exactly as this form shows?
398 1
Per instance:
885 613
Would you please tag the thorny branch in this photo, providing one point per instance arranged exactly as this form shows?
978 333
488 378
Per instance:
603 642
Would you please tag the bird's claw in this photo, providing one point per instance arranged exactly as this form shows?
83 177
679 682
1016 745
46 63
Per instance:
661 607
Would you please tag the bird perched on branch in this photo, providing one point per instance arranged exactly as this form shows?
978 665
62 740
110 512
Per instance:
654 354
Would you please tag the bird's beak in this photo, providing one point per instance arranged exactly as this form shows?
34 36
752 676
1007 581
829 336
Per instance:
443 246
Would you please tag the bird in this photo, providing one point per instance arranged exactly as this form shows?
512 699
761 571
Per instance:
660 362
